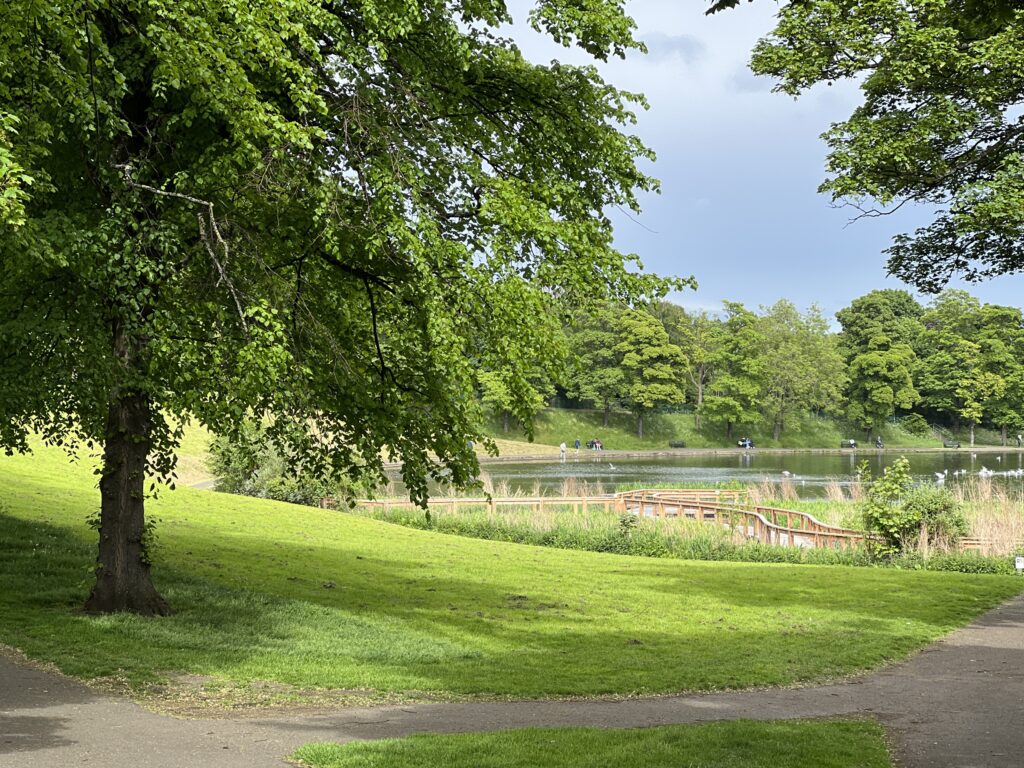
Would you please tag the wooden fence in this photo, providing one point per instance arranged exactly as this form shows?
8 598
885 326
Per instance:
784 527
727 508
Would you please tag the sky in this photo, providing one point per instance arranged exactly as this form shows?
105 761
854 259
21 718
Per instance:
739 168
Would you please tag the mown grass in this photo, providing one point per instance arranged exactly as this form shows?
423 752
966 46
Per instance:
553 425
315 599
736 744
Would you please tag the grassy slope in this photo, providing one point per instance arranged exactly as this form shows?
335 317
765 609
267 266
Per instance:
554 425
738 744
270 591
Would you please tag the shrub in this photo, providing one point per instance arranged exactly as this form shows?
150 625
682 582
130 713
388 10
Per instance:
915 424
249 465
884 512
938 511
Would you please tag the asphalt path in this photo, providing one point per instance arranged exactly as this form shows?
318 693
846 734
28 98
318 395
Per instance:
957 704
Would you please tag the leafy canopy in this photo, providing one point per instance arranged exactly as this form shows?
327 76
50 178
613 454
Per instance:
301 212
940 122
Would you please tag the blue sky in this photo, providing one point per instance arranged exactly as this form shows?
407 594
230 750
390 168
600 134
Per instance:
739 167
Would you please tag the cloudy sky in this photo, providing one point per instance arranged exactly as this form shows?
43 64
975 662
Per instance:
739 167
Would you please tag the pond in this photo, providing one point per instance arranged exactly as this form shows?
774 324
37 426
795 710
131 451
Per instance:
809 472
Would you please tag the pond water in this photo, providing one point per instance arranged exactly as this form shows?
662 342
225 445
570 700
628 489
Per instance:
810 472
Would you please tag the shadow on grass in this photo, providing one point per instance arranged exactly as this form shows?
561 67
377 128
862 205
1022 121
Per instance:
400 625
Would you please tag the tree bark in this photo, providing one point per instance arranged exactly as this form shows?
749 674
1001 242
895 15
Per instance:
607 410
972 434
777 429
123 581
700 402
505 422
640 425
1002 434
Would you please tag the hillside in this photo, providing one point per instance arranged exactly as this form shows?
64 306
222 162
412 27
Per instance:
277 602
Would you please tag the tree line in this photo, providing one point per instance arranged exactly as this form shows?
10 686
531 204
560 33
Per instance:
953 361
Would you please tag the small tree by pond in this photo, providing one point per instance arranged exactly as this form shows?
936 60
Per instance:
902 513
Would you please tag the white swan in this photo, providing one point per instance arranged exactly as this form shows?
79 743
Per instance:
985 471
940 477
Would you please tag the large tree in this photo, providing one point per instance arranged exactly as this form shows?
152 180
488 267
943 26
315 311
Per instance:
699 336
652 366
302 212
735 393
940 122
880 331
595 375
803 369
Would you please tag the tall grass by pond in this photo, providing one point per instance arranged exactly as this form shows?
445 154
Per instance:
596 530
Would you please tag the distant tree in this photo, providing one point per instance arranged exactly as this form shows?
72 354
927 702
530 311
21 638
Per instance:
802 367
595 374
298 212
699 336
939 122
960 373
879 332
651 365
734 395
1001 342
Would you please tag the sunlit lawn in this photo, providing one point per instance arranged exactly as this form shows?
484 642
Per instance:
737 744
320 599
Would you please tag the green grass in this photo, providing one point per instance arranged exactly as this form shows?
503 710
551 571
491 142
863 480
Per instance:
553 425
324 600
736 744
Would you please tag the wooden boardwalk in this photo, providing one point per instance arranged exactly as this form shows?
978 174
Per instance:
729 509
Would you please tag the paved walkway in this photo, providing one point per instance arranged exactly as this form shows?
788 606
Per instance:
957 704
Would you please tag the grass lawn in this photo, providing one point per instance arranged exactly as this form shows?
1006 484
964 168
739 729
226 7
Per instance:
310 599
737 744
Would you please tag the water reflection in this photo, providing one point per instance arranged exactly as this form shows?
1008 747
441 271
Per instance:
808 472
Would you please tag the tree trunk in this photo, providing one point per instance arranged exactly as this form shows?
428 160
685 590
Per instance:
777 430
1002 435
972 434
640 425
728 430
607 409
505 416
123 581
700 401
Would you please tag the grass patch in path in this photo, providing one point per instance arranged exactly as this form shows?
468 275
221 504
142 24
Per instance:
311 599
736 744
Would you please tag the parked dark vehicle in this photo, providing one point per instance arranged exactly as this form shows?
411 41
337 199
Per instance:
951 444
848 444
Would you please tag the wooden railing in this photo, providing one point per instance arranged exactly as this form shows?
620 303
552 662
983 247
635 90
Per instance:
727 508
784 527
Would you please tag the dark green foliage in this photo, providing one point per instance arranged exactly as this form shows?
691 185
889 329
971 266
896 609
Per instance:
250 465
915 424
939 122
937 510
